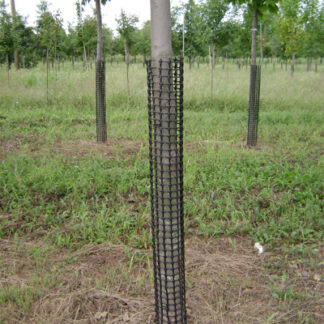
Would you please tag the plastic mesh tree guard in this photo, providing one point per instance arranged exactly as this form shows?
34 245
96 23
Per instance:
101 101
254 105
165 109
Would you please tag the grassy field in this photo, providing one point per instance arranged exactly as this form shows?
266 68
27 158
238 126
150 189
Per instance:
75 216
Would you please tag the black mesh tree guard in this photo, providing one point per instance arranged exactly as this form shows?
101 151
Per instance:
101 101
165 108
254 105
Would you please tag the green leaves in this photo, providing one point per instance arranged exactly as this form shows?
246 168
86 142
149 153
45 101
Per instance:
261 5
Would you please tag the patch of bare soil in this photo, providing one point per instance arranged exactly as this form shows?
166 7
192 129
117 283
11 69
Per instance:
227 282
112 148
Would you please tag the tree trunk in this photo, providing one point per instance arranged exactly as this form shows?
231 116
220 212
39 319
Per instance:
316 64
308 64
254 37
127 65
85 63
100 82
292 68
13 13
253 109
8 69
167 229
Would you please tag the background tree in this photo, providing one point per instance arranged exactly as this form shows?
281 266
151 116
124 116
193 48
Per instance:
13 14
291 29
213 13
26 42
45 28
6 35
193 31
256 7
143 40
126 28
313 42
100 77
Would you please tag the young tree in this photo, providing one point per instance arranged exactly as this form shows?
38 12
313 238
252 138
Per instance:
257 7
13 14
291 29
126 28
213 13
167 225
6 35
193 31
45 28
100 77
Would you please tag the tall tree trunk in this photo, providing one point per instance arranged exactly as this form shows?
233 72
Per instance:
167 228
316 64
292 68
127 65
100 82
13 13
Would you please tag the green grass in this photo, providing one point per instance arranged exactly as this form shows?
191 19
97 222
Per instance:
271 194
58 186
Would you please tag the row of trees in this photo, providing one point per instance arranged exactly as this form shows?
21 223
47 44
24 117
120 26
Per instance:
199 29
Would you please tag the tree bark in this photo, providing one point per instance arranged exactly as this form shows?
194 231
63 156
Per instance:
13 13
100 82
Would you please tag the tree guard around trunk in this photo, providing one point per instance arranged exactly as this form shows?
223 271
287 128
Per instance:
165 109
101 101
254 105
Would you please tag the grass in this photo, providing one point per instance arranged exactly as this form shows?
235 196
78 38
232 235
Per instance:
75 215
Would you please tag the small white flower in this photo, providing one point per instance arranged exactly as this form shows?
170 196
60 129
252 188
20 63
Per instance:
259 247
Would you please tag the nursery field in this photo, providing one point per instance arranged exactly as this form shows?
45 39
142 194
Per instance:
75 238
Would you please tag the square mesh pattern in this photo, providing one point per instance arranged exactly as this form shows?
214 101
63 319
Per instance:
165 110
254 105
101 101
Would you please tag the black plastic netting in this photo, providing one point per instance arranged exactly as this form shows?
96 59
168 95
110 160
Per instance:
165 108
254 105
101 102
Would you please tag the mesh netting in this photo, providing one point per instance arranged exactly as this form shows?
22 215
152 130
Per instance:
165 107
101 102
254 105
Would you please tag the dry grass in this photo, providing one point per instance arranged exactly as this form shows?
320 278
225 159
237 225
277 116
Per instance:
227 283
